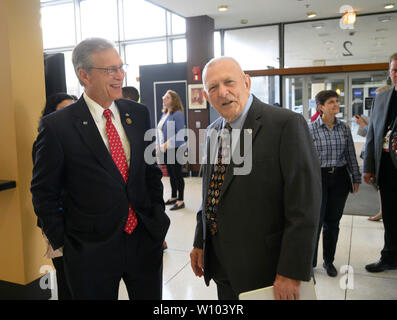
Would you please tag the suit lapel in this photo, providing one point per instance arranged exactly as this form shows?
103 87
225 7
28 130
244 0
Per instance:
253 126
89 133
386 105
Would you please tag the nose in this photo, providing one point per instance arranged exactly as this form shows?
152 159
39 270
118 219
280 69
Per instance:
223 91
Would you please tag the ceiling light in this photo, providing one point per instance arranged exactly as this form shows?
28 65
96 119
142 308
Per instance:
328 42
223 8
389 5
318 25
311 14
243 21
384 19
349 17
381 30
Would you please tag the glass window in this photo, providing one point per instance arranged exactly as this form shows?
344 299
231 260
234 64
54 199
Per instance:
72 83
143 20
179 50
178 24
57 22
99 19
143 54
217 44
371 40
266 89
254 48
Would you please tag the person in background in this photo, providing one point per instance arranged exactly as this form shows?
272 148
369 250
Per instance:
55 102
256 229
130 93
172 115
335 149
379 169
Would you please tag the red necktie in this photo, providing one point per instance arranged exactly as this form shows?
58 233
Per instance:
119 158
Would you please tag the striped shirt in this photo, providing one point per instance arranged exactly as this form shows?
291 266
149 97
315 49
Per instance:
335 148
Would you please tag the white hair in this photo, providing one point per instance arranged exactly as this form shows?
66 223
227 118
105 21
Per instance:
215 60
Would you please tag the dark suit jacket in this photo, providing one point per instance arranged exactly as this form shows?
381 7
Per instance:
376 130
73 166
267 219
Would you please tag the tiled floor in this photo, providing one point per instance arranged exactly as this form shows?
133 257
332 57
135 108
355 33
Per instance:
360 242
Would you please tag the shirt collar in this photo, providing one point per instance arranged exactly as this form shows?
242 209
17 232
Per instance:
321 122
96 110
239 122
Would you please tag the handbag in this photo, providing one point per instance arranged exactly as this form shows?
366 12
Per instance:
393 143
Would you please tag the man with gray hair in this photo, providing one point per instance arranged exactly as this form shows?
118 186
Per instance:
257 229
93 192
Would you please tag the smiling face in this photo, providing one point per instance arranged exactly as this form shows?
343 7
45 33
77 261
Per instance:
98 84
167 100
227 88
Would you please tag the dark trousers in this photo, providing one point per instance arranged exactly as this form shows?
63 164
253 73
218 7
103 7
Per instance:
335 187
217 270
176 180
388 193
137 259
62 284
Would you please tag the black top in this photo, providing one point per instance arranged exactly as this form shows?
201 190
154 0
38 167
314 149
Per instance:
392 112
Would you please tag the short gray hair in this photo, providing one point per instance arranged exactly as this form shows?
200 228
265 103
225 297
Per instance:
215 60
81 55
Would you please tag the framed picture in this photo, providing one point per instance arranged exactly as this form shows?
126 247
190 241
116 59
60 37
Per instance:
196 97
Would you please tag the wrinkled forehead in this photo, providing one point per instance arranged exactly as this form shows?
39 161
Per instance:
222 68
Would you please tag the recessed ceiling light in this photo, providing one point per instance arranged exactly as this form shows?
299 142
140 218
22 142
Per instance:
319 25
381 30
328 42
223 8
311 14
389 5
384 19
243 21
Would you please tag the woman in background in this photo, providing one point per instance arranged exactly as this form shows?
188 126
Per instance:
333 141
56 102
172 118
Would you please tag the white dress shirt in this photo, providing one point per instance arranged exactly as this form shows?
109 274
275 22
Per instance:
100 121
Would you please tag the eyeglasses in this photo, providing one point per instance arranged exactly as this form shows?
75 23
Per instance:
111 71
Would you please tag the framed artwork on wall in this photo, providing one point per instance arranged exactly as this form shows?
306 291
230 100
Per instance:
196 97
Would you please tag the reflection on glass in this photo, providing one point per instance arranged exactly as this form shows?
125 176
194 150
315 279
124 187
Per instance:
179 50
178 24
254 48
57 23
266 89
143 54
143 19
99 19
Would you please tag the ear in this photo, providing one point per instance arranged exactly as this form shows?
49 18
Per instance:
84 76
247 81
320 107
205 95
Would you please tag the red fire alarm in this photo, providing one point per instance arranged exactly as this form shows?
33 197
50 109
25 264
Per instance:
196 74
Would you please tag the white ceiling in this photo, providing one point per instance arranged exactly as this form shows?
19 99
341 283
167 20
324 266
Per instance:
259 12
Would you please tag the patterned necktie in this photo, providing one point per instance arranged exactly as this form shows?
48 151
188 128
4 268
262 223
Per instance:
119 158
217 178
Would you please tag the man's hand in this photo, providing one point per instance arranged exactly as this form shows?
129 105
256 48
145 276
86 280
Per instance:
369 178
286 288
197 261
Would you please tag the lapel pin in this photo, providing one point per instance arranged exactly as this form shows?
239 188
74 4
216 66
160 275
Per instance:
128 120
85 123
127 114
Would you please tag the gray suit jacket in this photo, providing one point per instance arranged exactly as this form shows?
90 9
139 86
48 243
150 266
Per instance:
375 135
268 219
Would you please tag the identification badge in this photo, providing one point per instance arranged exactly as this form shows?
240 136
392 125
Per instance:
386 140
